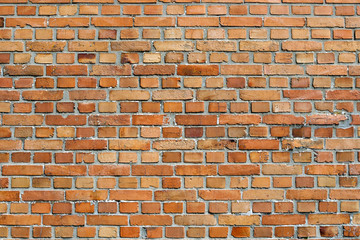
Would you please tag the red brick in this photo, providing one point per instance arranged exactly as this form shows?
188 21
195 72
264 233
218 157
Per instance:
195 70
85 144
154 220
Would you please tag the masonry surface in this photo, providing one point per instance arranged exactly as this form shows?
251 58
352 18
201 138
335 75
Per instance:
179 119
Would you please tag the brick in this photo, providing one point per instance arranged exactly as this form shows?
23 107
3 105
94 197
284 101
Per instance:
240 119
43 195
45 46
239 220
263 194
195 220
8 196
195 70
88 46
283 22
133 195
325 119
324 219
107 70
70 170
325 170
220 194
175 195
261 95
325 70
129 144
69 22
43 144
325 22
342 94
20 220
110 120
267 46
154 21
129 95
283 219
163 170
184 170
241 70
350 194
106 220
241 21
303 94
85 144
111 21
23 70
216 95
306 194
257 144
301 46
270 169
153 220
216 45
25 120
11 46
283 70
198 22
22 22
196 120
173 144
154 70
163 46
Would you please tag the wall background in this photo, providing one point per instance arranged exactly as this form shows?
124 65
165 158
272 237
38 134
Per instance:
179 119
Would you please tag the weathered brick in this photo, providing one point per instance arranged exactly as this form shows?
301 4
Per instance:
109 70
198 21
326 70
241 69
154 21
85 144
133 195
23 70
129 144
163 46
241 21
283 70
301 46
283 22
172 95
68 22
106 220
112 21
157 220
236 170
267 46
68 170
283 219
220 194
154 70
175 195
45 46
20 219
11 46
227 46
43 195
197 70
86 195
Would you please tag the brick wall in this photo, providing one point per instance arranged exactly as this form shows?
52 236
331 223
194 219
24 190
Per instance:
179 119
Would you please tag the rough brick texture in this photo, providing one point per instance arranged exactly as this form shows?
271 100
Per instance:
175 119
